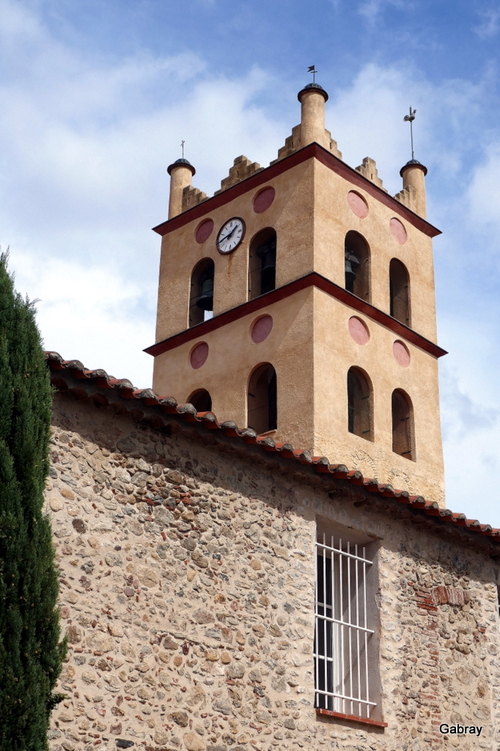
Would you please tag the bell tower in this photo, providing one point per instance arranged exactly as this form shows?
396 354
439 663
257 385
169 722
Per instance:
298 301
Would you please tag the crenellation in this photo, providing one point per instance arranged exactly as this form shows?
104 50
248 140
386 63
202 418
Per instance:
407 196
293 143
192 197
241 169
368 168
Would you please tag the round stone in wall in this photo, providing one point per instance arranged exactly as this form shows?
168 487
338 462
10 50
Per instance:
358 330
261 328
398 230
401 353
263 199
204 230
198 355
357 204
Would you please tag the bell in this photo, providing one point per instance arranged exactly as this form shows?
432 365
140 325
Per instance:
206 298
267 253
350 273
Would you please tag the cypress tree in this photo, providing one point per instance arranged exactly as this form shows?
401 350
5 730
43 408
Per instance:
30 651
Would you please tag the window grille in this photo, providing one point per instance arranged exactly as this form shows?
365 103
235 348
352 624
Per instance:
342 639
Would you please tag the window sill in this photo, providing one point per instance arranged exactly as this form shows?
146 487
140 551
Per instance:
352 718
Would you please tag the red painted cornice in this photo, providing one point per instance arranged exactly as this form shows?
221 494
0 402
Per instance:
310 280
312 151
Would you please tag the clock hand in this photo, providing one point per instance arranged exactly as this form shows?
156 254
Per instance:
226 236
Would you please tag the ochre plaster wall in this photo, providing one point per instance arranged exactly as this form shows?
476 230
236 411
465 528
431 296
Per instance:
335 352
290 215
310 346
232 358
333 219
187 593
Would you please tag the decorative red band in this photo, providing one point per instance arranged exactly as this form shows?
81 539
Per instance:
314 150
310 280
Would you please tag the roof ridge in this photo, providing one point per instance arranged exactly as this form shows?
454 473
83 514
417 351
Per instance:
321 465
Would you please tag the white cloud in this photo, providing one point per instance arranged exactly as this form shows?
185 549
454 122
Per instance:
367 120
490 23
371 10
85 142
93 313
484 194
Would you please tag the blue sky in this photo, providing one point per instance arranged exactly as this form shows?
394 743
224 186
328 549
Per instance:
96 97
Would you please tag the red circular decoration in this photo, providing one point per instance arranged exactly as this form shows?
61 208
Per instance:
358 330
357 204
263 199
401 354
198 355
398 230
261 328
204 230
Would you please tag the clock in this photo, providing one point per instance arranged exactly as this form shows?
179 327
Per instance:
230 235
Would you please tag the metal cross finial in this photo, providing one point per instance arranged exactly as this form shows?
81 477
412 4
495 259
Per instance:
409 119
312 69
182 147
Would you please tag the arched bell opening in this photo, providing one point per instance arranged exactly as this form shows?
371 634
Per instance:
399 289
262 263
201 400
357 265
359 404
403 437
262 399
201 301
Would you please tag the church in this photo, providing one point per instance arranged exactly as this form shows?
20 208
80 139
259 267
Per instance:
256 553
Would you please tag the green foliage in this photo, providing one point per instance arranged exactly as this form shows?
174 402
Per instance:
30 653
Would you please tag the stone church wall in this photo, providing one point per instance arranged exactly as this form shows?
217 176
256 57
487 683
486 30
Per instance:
187 594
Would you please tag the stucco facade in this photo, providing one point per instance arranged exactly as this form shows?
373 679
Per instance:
317 202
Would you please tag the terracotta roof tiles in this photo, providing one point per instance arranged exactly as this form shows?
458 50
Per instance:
102 382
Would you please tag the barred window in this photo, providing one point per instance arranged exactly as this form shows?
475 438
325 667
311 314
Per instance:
344 635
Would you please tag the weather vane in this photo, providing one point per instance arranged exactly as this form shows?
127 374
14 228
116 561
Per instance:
312 69
409 119
182 147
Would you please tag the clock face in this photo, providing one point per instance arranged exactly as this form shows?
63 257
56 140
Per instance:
230 235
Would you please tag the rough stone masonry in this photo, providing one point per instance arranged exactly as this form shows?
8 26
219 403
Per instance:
187 594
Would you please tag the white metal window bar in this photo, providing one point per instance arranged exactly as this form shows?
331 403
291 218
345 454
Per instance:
342 638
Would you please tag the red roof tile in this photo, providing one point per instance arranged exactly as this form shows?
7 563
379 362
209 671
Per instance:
102 382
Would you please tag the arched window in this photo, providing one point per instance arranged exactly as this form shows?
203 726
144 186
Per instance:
403 442
201 300
359 407
201 400
399 292
262 399
262 263
357 265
